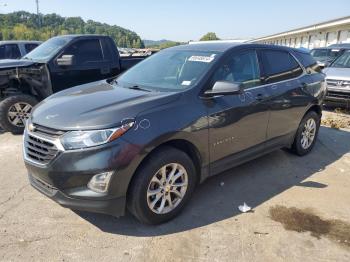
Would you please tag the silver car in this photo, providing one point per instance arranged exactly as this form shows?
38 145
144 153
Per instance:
338 81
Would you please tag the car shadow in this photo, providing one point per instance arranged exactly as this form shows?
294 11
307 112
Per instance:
255 182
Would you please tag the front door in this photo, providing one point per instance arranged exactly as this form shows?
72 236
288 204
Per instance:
88 63
237 123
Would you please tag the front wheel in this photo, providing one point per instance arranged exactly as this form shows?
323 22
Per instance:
162 186
306 135
14 111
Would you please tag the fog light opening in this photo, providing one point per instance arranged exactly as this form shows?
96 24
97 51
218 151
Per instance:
100 182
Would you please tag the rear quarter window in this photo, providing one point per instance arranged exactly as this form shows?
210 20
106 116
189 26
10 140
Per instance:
279 65
308 62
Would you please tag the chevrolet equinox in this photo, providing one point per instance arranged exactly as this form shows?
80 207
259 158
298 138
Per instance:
144 140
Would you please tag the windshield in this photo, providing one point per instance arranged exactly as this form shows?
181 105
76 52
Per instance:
342 61
48 49
325 53
169 70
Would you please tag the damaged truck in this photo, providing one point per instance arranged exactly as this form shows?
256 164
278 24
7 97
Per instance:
59 63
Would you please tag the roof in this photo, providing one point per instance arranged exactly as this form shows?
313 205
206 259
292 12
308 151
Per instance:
19 41
223 47
330 23
214 47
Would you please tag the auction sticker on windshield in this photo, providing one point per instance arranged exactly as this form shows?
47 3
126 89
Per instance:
204 59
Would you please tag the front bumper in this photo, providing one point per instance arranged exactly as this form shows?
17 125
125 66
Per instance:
65 177
114 207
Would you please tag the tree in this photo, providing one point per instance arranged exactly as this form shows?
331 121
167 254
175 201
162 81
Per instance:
209 37
23 26
168 44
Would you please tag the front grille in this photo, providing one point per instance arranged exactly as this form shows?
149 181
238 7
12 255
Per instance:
338 83
40 150
336 94
48 131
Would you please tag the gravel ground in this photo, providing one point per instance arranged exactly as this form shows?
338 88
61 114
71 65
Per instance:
300 211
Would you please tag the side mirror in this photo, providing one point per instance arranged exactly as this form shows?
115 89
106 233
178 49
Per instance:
65 60
225 88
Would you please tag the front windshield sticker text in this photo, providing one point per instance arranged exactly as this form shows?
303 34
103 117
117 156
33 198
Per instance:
204 59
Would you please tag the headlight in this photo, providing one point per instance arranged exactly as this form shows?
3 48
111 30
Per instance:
83 139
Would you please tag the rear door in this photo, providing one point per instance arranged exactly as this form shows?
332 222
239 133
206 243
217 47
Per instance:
282 76
89 65
237 123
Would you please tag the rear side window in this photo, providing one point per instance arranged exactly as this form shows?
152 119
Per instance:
30 47
308 62
85 51
10 51
279 66
242 67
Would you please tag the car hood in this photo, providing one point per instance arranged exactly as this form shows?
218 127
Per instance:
337 73
95 106
10 63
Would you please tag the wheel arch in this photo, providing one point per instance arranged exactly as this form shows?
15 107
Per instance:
316 108
181 144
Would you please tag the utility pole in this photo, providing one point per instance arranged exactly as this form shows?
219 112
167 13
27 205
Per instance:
38 13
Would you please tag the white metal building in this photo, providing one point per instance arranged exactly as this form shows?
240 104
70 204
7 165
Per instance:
318 35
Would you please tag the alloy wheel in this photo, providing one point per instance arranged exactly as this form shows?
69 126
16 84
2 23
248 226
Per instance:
167 188
308 134
19 113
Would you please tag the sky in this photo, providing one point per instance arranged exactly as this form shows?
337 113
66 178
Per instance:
182 20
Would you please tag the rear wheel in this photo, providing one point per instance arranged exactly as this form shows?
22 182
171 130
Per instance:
306 135
14 111
162 186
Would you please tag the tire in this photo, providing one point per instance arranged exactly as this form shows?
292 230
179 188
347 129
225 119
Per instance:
9 110
298 148
139 202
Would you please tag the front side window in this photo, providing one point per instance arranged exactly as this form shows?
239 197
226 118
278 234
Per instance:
10 51
343 61
279 66
170 70
85 51
242 68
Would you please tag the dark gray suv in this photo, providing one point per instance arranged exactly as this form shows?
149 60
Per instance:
144 141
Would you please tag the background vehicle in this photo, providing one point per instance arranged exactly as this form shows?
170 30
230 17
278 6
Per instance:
186 113
16 49
59 63
326 55
338 81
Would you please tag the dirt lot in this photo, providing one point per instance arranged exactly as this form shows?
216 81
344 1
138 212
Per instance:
300 212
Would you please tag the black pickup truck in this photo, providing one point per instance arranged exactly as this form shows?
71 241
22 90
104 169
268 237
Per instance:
59 63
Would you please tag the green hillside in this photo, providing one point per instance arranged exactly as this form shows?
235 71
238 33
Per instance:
26 26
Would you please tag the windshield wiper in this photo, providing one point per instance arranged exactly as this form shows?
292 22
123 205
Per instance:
136 87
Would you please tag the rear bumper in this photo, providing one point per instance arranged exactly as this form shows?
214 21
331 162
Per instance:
114 207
